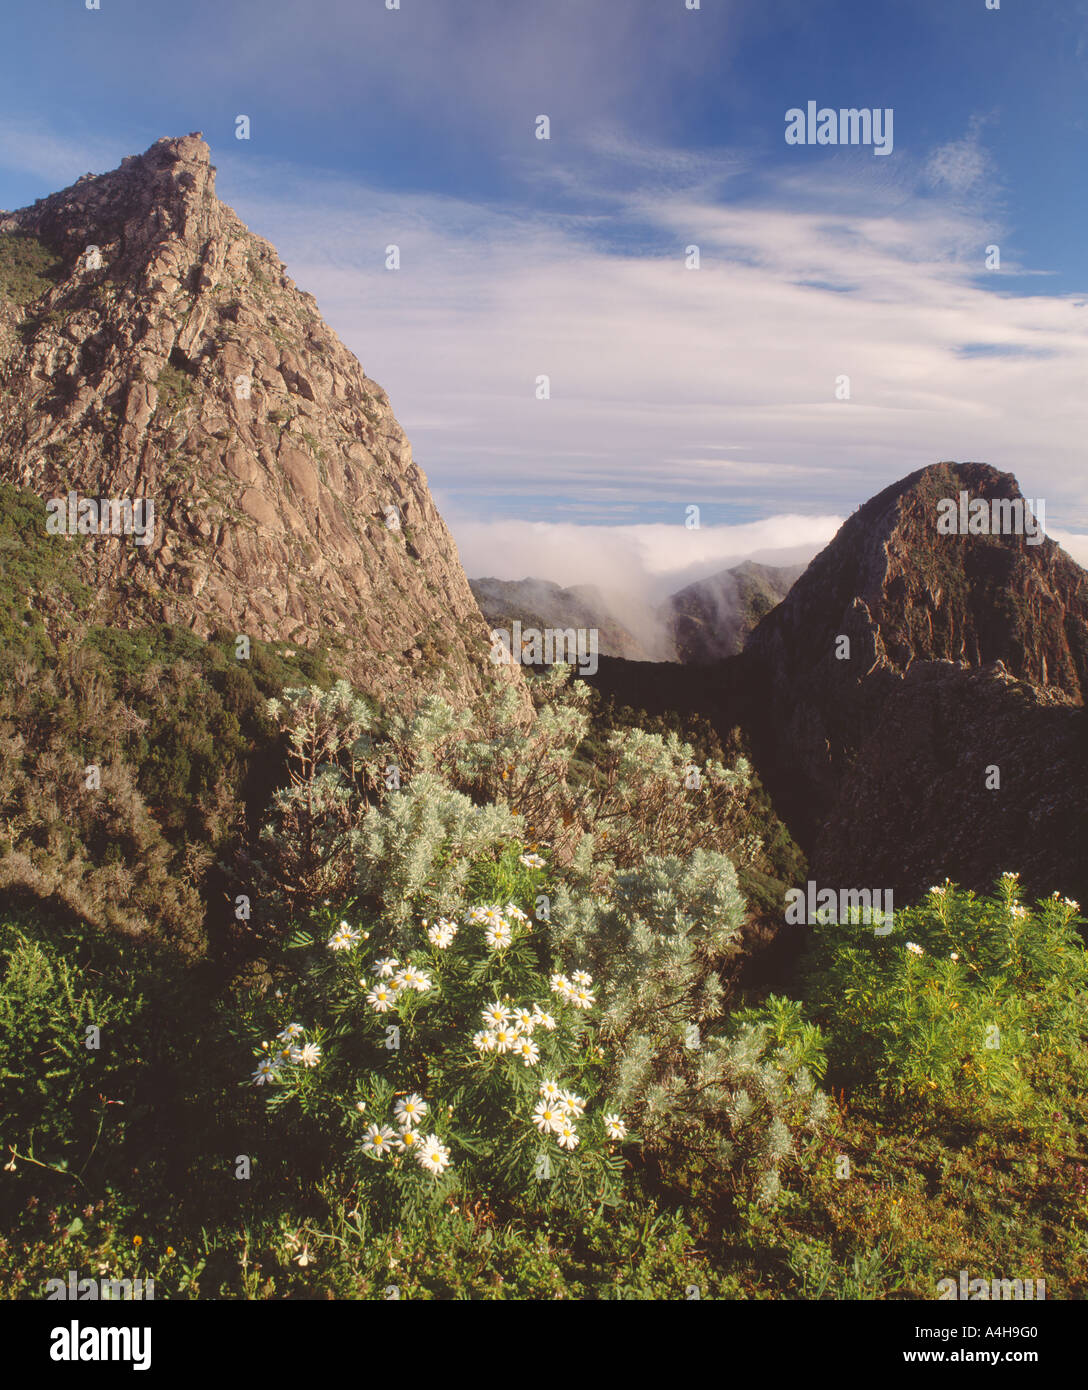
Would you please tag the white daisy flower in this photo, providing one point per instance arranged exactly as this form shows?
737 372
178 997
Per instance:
505 1038
484 1041
524 1021
512 910
495 1015
1017 910
477 916
573 1105
433 1155
581 978
386 967
381 998
550 1091
499 936
561 986
614 1127
915 949
490 916
291 1032
566 1135
408 1141
379 1140
547 1117
582 998
306 1056
343 939
531 861
528 1051
266 1070
409 1110
441 933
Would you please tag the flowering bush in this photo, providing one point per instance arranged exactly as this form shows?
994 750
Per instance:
445 886
449 1056
974 1006
732 1096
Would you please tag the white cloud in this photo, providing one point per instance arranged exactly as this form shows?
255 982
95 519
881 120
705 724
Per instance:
1074 543
650 363
962 166
672 386
646 562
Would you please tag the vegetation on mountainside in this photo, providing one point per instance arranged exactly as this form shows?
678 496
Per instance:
28 268
445 1004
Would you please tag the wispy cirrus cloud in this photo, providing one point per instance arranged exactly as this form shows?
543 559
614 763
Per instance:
828 343
647 361
963 167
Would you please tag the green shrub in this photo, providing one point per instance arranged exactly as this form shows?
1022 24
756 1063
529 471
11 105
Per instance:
28 268
57 1078
972 1010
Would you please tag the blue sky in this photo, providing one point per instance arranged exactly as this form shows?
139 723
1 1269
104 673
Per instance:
520 257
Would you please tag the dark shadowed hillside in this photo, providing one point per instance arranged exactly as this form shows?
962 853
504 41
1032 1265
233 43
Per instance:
967 654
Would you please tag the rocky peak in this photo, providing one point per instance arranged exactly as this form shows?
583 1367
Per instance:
915 594
168 191
966 652
163 353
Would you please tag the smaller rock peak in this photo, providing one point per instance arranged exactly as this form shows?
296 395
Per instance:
188 149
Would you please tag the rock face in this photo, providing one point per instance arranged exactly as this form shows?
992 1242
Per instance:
169 357
967 653
711 619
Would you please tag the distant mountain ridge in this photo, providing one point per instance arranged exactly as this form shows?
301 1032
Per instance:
701 623
712 618
538 603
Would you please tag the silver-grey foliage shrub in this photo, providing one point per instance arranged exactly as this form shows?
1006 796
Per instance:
638 895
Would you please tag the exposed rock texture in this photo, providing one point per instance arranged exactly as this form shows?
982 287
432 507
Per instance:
966 652
171 358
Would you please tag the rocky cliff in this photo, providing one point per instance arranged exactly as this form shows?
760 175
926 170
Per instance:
152 347
966 653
